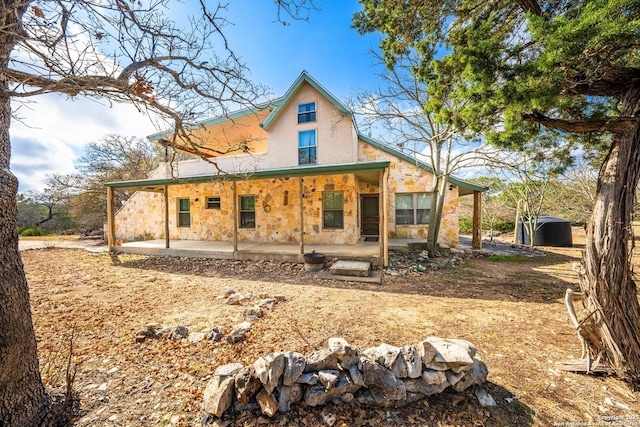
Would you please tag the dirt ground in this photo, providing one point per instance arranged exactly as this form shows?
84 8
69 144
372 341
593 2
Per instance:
512 309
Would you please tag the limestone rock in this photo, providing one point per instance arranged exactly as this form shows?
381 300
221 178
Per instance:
234 299
453 350
228 291
453 377
253 311
239 332
356 375
419 385
382 383
412 360
218 395
227 370
347 355
321 359
484 397
213 334
284 399
426 351
294 364
268 403
317 395
295 393
195 337
267 302
310 378
434 377
476 375
269 369
247 384
179 332
368 398
329 378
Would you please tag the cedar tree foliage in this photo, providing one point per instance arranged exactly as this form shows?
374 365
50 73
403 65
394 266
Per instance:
547 77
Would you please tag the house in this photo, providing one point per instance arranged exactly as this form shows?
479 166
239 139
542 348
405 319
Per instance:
295 173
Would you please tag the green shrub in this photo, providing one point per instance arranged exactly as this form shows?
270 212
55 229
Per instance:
32 231
466 225
504 226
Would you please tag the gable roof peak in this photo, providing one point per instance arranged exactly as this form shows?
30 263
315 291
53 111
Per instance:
304 77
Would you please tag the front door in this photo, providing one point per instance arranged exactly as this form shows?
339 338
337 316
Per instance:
370 215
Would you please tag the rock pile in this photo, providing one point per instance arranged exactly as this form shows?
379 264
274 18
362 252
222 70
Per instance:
238 332
383 376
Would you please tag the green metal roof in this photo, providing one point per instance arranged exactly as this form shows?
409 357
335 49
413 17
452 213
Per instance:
158 184
220 119
464 185
302 78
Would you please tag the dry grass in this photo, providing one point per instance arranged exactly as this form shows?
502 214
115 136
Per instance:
512 311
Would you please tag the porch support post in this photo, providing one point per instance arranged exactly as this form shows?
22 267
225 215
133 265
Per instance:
384 237
235 218
111 227
476 238
166 216
301 217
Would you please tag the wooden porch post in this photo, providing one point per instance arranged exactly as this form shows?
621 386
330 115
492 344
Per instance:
235 219
301 217
384 238
476 238
111 227
166 216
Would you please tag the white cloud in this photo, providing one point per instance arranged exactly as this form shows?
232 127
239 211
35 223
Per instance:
53 130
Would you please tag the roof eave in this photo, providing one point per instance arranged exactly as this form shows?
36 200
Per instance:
470 187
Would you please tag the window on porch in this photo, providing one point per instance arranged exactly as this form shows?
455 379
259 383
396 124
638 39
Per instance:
247 211
184 213
332 209
213 202
413 208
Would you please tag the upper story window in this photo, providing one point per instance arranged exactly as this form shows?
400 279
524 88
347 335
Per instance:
307 112
307 147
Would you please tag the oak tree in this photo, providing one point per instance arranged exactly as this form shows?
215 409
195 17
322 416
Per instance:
122 51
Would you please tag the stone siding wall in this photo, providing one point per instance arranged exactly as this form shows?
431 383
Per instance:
405 177
277 211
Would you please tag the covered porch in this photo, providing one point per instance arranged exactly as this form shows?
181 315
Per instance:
362 251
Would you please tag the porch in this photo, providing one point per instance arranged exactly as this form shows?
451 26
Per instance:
362 251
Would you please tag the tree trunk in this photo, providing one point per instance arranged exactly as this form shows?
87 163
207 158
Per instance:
613 327
23 399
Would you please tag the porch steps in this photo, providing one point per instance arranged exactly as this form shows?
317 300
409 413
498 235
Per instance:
351 268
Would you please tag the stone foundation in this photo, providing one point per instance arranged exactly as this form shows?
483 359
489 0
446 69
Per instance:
383 376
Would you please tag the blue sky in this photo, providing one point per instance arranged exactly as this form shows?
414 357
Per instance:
55 129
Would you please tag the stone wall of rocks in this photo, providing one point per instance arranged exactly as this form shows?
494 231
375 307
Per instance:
383 376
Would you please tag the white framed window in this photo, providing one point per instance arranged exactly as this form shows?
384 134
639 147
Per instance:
307 112
184 212
307 147
332 209
247 211
212 202
413 208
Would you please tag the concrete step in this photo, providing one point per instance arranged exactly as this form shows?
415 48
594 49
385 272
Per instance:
351 268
